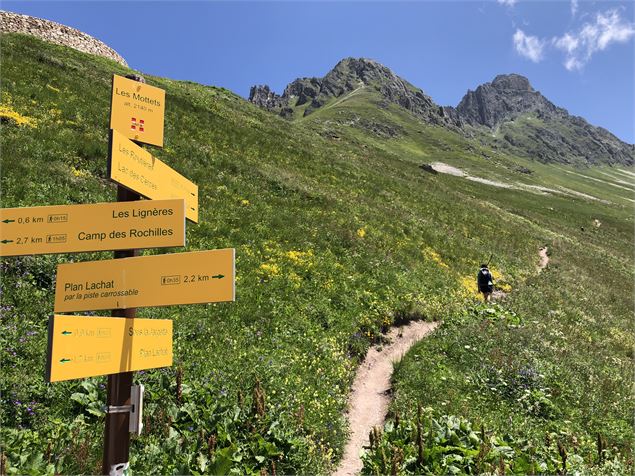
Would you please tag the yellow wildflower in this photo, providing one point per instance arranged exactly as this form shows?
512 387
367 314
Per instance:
79 173
468 284
432 255
270 269
361 232
7 113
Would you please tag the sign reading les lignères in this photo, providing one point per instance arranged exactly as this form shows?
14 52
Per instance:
137 110
159 280
137 170
92 227
81 346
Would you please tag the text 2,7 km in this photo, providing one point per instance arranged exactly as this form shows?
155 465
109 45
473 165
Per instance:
23 240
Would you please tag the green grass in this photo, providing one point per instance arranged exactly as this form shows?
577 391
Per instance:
334 238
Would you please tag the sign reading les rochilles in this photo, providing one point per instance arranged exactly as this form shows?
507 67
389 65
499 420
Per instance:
159 280
137 170
92 227
81 346
137 110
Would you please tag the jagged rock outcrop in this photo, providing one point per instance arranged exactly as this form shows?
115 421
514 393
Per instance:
304 89
553 136
263 96
503 99
347 77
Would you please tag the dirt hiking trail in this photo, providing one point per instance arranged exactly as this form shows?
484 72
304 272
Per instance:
369 400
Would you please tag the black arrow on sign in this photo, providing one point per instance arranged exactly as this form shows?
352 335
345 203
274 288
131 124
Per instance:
7 221
65 333
6 241
65 360
218 276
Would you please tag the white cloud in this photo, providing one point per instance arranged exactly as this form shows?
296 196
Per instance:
607 28
574 7
509 3
529 46
567 42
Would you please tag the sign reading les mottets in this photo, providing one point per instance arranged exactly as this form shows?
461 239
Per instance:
142 281
137 170
92 227
137 110
81 346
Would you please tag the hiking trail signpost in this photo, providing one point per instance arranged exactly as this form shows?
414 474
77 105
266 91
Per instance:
87 346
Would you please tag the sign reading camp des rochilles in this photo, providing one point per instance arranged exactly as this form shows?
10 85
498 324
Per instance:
92 227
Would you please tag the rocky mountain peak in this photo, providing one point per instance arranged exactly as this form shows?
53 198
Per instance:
553 136
506 97
349 76
511 82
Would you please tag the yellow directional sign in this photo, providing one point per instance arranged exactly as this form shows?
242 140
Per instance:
137 110
81 346
136 169
159 280
94 227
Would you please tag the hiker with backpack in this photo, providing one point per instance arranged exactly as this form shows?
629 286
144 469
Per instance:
485 282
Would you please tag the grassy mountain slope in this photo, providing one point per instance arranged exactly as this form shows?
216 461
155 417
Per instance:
338 234
562 139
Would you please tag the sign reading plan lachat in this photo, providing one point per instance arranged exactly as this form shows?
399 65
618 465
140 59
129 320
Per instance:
159 280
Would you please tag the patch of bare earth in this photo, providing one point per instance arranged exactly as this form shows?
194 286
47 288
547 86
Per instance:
544 258
369 400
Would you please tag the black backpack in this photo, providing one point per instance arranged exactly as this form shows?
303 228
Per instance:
484 279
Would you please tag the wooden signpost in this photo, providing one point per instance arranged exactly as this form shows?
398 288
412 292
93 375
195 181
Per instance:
159 280
92 227
137 170
86 346
81 346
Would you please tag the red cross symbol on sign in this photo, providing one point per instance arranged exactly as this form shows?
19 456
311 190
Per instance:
137 125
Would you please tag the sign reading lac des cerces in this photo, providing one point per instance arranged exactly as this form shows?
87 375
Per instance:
92 227
137 110
81 346
159 280
137 170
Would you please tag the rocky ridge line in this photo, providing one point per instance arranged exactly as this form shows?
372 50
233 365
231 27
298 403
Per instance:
56 33
346 77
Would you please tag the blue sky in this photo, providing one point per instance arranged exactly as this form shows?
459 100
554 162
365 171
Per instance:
580 55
